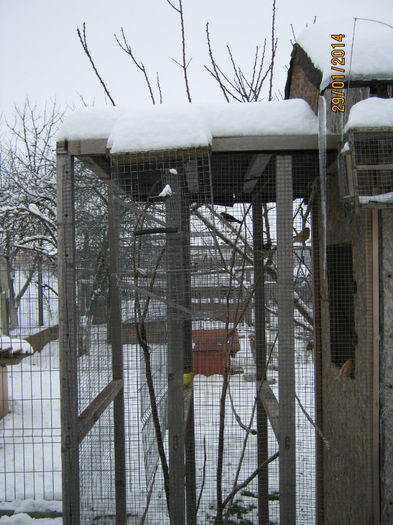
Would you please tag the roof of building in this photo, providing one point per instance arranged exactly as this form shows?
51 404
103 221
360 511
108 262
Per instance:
363 53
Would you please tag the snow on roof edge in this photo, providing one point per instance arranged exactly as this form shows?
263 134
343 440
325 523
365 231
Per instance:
158 128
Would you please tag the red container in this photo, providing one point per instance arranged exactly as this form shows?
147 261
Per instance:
210 348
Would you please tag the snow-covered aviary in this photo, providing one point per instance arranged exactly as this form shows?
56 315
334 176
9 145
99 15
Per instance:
187 126
370 113
372 57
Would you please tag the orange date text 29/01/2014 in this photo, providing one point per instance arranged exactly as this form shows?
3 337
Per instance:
337 103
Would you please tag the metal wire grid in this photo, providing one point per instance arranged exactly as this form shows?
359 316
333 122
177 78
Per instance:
372 160
30 465
217 257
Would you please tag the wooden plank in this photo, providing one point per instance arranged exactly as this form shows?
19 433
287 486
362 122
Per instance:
270 404
68 337
376 374
260 351
117 358
318 389
92 413
88 147
255 169
40 339
176 342
189 430
285 294
3 391
272 143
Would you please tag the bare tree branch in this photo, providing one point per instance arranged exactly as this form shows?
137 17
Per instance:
184 65
274 47
127 49
83 41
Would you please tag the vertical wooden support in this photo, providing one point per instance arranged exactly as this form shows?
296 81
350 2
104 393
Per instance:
40 294
176 345
3 391
260 358
67 336
287 436
187 326
376 341
117 360
316 284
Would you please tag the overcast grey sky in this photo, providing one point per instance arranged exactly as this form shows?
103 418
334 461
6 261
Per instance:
40 55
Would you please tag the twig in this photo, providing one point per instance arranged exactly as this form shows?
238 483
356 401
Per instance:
248 480
127 49
203 474
148 498
184 65
83 41
274 47
324 439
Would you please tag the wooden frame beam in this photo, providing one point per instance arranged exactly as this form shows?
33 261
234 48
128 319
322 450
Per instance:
92 413
285 292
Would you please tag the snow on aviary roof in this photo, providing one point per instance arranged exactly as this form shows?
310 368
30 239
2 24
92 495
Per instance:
371 113
372 56
183 126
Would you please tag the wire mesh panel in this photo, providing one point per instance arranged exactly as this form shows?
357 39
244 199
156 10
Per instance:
30 466
368 169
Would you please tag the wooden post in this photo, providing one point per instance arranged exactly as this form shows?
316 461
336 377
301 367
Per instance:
287 436
316 283
376 498
3 392
260 358
40 294
176 345
187 327
117 360
4 294
67 336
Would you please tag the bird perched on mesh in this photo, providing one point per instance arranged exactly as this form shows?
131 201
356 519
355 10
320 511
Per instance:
302 236
229 218
348 369
188 378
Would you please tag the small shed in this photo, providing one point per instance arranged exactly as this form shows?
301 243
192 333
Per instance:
352 242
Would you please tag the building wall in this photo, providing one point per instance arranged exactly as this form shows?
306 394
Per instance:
301 87
347 402
386 366
337 120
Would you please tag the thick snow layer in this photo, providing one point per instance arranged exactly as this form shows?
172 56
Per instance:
24 519
89 123
386 198
372 56
159 128
167 190
12 345
372 112
186 126
284 117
